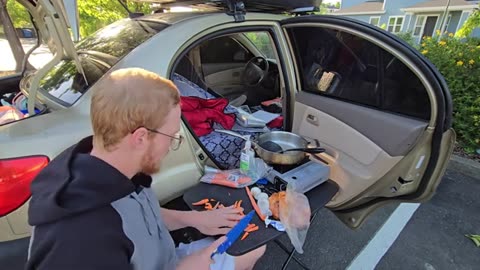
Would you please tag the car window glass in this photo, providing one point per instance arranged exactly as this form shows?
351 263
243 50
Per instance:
65 84
121 37
262 41
223 50
348 67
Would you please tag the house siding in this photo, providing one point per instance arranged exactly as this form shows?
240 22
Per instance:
463 18
365 18
476 33
438 24
350 3
393 8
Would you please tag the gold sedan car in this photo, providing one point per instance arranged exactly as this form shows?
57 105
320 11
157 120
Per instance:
380 109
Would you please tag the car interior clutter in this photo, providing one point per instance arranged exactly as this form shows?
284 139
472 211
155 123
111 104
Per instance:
231 100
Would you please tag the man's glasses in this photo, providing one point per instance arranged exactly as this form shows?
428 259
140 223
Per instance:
175 142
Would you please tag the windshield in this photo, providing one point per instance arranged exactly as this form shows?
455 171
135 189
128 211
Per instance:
66 85
262 41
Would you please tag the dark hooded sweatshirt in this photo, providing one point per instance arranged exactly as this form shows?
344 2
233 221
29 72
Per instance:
87 215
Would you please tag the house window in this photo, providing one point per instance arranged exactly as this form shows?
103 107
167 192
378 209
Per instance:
460 21
375 21
447 24
395 24
419 26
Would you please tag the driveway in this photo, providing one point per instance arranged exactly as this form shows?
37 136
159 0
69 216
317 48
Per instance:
38 58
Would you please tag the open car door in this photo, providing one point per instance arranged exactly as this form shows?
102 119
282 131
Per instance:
381 110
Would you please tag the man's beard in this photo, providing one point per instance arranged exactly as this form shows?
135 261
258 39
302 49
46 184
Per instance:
149 166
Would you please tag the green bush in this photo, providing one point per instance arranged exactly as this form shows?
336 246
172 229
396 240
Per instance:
459 62
408 37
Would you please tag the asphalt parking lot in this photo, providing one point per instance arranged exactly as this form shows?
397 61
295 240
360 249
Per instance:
432 239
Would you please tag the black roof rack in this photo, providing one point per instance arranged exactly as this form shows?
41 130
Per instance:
238 7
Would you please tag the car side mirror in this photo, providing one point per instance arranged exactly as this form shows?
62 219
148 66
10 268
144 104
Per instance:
71 14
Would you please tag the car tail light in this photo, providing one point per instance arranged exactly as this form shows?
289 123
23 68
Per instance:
16 175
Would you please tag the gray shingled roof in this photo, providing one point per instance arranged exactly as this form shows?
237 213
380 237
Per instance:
367 7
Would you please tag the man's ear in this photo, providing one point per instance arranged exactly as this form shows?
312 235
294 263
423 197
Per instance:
139 138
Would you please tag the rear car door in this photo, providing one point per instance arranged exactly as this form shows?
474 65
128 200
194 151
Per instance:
380 109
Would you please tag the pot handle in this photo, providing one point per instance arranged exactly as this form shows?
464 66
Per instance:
316 150
309 140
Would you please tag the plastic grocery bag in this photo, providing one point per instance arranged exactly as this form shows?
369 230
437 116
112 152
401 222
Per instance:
295 216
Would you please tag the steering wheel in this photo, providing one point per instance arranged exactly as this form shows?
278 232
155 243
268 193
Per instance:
255 71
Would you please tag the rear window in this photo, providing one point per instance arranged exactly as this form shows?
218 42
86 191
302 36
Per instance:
96 52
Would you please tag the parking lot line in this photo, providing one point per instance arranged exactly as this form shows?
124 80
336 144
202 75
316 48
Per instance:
376 248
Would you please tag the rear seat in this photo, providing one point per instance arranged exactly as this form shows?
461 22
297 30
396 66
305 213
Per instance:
225 149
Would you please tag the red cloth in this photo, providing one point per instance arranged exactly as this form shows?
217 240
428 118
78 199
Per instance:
202 113
276 123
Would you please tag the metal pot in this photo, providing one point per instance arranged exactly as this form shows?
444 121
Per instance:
280 147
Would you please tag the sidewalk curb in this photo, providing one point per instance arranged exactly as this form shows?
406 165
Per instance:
465 166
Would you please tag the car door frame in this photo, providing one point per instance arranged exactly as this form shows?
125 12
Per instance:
285 68
353 217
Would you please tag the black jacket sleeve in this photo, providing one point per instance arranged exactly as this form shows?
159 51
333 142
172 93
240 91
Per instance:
91 240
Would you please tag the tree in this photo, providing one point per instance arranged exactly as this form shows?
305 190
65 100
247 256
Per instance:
19 14
337 5
11 35
322 9
472 22
95 14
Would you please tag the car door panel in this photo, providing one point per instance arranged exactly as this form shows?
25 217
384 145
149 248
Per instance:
225 79
376 105
393 133
355 161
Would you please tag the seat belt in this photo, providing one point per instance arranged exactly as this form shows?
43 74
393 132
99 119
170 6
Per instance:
195 59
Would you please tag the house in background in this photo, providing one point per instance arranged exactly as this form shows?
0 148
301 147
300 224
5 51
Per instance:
420 17
331 8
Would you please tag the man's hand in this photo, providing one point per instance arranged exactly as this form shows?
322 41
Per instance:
218 221
201 259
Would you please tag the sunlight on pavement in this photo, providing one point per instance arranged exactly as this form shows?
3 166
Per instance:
38 58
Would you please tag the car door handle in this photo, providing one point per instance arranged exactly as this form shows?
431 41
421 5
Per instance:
312 119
